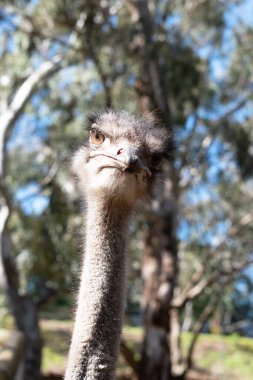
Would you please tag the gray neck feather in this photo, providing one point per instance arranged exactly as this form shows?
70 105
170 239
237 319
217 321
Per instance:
95 343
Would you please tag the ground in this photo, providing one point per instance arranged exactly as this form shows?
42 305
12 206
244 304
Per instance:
217 357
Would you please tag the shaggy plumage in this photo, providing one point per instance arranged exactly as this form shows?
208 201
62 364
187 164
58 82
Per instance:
119 165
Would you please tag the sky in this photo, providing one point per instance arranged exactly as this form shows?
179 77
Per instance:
34 129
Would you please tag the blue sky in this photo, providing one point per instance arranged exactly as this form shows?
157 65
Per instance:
31 199
34 128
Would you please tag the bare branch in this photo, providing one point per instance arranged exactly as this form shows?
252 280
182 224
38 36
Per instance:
52 172
228 113
189 294
158 89
244 221
26 89
128 355
199 272
101 73
21 97
203 318
237 325
86 37
26 26
188 143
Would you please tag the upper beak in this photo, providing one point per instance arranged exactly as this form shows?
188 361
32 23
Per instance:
128 159
130 156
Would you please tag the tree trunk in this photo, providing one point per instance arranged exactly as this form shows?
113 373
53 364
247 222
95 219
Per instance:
159 274
25 311
161 351
160 256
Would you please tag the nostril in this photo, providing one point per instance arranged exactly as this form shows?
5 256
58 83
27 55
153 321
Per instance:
120 151
133 159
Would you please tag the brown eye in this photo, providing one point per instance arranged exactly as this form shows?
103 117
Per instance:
155 159
96 137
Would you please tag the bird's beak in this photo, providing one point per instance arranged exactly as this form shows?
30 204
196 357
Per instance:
128 159
130 156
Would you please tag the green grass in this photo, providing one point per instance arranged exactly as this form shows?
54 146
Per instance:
225 356
6 320
52 361
56 336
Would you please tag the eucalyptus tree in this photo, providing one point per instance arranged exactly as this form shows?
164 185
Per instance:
180 59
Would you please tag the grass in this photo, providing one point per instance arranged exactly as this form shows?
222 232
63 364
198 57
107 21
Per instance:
6 320
56 336
226 357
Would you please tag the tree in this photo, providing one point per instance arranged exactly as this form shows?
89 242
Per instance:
173 59
24 310
161 354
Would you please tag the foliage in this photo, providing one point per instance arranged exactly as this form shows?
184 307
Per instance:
201 48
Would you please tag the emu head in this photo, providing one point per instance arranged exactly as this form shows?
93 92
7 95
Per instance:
123 158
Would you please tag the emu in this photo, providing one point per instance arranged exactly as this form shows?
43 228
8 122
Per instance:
119 166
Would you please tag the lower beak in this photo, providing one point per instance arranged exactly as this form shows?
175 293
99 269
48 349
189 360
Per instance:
128 159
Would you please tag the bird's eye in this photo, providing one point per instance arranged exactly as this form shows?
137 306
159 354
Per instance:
96 137
155 159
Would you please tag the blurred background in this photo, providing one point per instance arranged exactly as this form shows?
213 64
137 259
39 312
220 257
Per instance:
189 307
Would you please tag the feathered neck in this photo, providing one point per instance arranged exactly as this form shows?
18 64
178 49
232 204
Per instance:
95 343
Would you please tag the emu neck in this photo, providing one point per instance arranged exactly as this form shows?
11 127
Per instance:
95 343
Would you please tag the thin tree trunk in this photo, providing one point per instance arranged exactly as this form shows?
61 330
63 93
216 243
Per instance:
24 309
155 350
160 260
159 274
177 363
203 318
188 315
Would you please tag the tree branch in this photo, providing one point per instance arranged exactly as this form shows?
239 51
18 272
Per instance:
86 37
203 318
228 113
237 325
244 221
52 172
21 305
188 144
26 26
158 89
25 91
23 94
197 289
128 356
103 76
